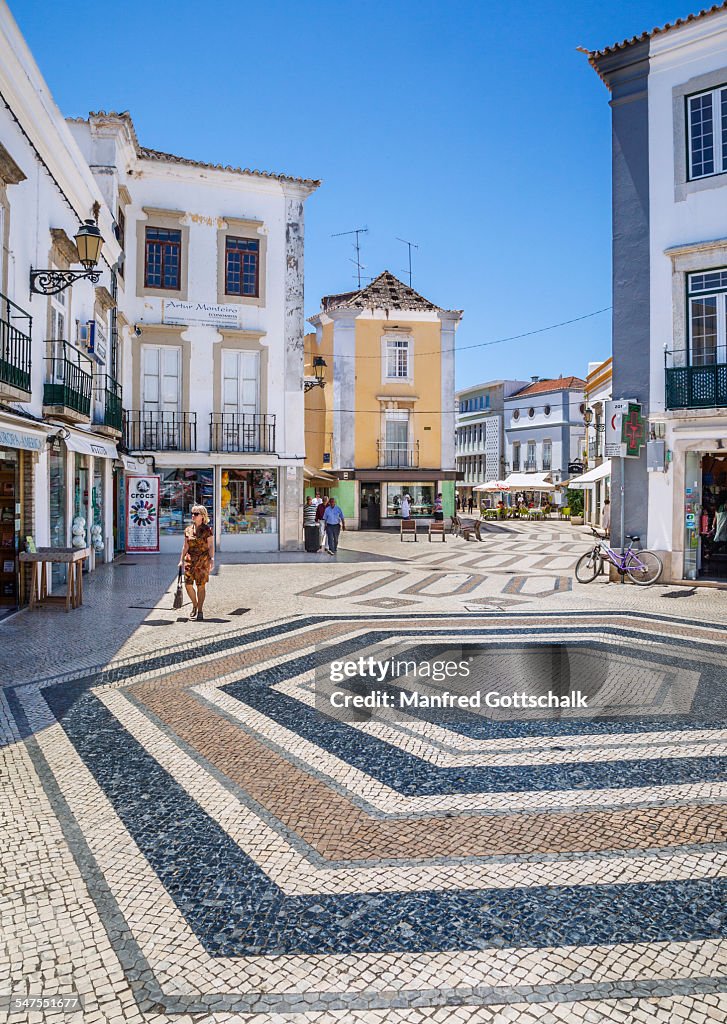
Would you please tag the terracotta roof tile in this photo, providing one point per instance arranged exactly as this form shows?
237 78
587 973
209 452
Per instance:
553 384
595 55
384 292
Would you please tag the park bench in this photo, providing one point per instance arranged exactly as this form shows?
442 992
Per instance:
408 528
466 527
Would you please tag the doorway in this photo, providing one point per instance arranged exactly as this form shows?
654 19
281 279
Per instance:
370 518
712 524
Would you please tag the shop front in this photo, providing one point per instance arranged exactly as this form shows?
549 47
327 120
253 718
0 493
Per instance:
379 500
88 512
704 516
20 448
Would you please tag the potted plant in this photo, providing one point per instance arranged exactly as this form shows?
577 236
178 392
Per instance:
575 504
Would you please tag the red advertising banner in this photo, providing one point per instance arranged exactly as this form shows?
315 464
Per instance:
142 513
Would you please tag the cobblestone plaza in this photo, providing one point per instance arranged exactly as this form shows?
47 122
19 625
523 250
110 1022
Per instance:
191 836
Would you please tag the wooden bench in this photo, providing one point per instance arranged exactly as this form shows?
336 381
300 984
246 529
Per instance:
436 529
408 528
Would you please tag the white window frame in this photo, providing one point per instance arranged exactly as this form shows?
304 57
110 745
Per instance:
720 294
401 343
547 446
160 405
244 405
720 160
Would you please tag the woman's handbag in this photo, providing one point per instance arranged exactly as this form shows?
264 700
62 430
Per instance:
179 596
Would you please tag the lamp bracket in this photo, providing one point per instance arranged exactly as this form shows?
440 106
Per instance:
51 282
309 384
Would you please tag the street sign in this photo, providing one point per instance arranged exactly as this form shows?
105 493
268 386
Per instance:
614 447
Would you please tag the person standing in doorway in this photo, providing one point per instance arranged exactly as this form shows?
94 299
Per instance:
333 518
198 559
406 507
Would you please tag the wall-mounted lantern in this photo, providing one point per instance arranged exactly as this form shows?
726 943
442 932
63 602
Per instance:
319 371
88 243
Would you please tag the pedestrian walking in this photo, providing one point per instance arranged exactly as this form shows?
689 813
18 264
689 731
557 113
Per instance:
606 517
405 507
438 509
320 512
198 559
459 503
333 518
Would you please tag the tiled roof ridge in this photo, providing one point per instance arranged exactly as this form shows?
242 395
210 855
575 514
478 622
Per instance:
594 55
374 295
146 153
571 383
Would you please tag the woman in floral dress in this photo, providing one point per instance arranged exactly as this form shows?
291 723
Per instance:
198 559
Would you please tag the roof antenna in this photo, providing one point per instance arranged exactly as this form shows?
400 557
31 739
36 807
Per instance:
357 246
411 245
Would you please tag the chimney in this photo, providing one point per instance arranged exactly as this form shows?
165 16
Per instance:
534 380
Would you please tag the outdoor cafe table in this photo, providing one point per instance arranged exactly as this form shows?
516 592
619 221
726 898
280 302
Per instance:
73 558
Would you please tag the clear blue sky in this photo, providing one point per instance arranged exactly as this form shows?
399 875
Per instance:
472 128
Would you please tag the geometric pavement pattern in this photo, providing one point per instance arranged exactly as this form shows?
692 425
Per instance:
253 858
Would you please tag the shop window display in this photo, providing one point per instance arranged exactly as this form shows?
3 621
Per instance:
57 502
97 507
249 501
179 490
422 499
9 528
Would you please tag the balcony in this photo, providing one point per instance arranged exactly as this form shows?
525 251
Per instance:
69 382
530 466
398 454
696 387
108 413
151 431
14 351
241 432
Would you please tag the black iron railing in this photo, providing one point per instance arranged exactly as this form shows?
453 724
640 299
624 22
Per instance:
696 387
530 465
69 378
108 394
14 345
242 432
151 431
398 454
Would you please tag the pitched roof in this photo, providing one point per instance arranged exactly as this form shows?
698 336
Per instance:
144 153
539 387
384 292
595 55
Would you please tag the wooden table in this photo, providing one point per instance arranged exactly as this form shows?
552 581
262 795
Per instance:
73 558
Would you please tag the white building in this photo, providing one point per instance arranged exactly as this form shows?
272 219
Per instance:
669 102
545 431
211 289
479 433
60 411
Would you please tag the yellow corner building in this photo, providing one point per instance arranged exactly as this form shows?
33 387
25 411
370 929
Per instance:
383 424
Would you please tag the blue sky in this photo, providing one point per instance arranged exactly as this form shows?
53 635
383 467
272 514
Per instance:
474 129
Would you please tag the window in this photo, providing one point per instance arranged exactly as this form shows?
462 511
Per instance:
163 258
397 358
530 458
707 128
707 294
516 457
422 498
547 455
179 490
531 412
240 382
516 414
161 378
120 232
546 410
249 501
59 315
397 451
242 266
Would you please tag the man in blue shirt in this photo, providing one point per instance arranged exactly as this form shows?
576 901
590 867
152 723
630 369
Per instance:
333 518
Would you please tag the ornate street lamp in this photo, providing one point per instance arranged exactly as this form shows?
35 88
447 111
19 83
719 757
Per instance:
89 241
588 416
319 370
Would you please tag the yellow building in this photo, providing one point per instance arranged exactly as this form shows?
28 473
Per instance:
383 425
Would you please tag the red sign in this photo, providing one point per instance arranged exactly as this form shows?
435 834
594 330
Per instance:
142 513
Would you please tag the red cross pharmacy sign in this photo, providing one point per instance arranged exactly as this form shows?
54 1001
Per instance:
633 430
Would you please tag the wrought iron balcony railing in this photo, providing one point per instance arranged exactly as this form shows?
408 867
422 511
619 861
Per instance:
398 454
696 387
242 432
69 378
147 430
530 466
109 408
14 345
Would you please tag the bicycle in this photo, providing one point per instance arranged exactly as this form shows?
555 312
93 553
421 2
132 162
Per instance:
642 567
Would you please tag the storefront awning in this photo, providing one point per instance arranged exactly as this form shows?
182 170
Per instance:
492 486
592 477
310 473
529 482
13 436
92 446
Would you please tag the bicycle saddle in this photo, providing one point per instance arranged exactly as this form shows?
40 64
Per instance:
633 537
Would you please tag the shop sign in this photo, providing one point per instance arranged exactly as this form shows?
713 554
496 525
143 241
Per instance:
142 513
209 314
16 439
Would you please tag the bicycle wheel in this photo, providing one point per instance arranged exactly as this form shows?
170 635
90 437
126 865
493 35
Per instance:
587 567
647 572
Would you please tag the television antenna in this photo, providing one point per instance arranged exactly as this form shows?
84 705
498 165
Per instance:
357 246
411 245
